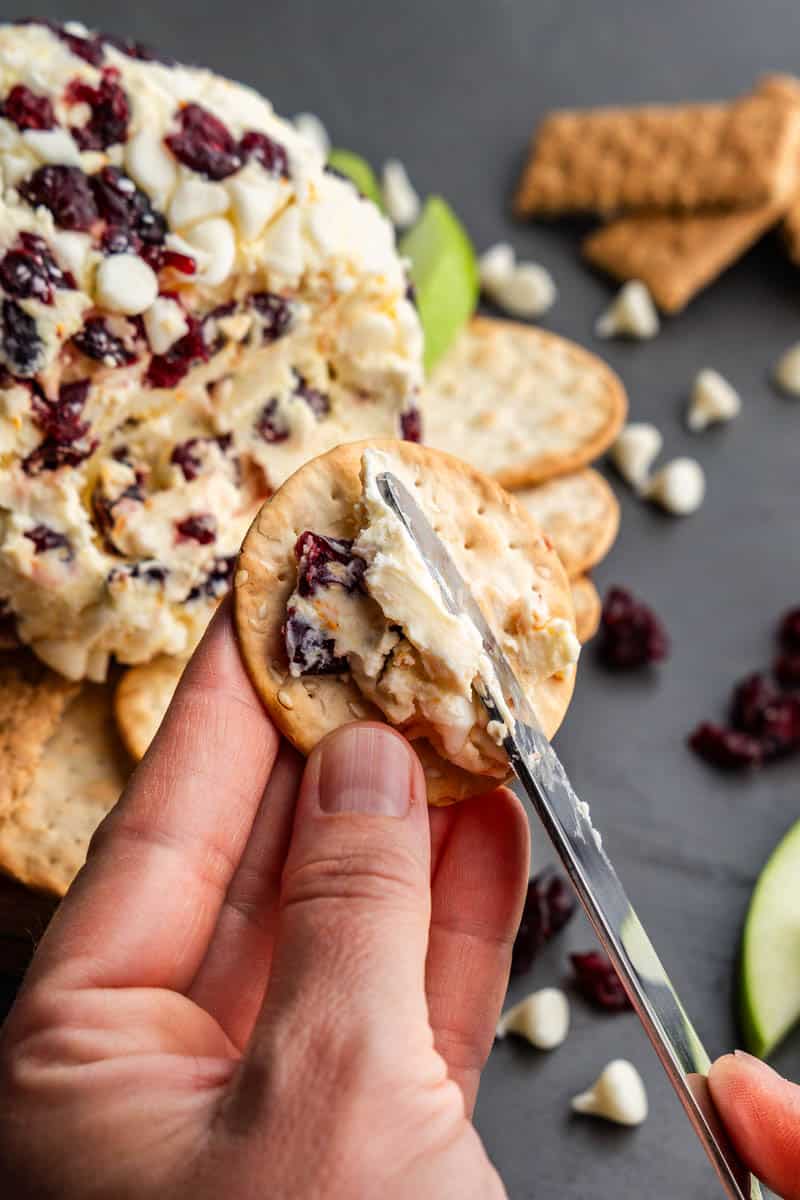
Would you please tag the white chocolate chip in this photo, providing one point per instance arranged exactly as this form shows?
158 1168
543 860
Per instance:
618 1095
632 314
215 238
399 196
524 289
125 284
282 245
196 200
72 250
635 451
496 265
16 167
679 487
542 1018
174 241
52 146
529 292
787 371
311 128
713 399
164 323
151 166
254 203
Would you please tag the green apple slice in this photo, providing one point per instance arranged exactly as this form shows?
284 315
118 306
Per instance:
769 980
359 171
444 271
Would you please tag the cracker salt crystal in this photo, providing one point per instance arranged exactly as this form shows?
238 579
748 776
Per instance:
631 314
713 400
679 487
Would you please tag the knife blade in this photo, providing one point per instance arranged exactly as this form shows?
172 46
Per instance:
567 821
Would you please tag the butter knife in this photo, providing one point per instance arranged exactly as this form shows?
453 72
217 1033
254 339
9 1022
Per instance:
567 821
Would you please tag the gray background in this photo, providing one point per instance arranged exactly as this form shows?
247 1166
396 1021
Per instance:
453 89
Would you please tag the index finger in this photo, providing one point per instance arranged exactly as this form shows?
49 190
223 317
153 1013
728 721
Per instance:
143 908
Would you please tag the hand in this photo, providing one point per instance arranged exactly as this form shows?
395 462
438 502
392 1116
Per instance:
269 979
761 1112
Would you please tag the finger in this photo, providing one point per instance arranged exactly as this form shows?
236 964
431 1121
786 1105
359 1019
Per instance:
761 1112
354 905
481 858
143 908
232 978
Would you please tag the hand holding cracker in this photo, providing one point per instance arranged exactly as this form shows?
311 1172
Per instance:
252 985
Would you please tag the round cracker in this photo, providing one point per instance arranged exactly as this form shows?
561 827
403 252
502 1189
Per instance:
520 403
579 513
480 523
588 607
142 698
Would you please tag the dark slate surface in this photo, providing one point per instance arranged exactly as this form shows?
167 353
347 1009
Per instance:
453 88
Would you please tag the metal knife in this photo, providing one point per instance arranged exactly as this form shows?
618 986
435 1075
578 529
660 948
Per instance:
568 823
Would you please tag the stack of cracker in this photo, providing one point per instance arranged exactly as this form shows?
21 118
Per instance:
525 405
686 188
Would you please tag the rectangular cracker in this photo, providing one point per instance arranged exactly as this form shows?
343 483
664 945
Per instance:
32 700
662 158
787 89
677 256
81 772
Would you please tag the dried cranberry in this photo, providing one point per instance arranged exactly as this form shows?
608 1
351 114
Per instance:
549 904
599 982
122 204
204 144
781 734
65 191
218 580
271 425
27 109
751 702
630 633
271 154
308 648
411 425
20 344
789 631
214 337
727 748
66 441
137 50
30 271
167 370
787 668
119 240
323 561
200 527
275 314
110 111
316 400
185 455
97 342
45 539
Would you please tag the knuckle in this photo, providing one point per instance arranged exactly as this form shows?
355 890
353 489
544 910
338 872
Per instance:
387 876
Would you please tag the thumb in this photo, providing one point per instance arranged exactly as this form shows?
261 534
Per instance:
355 897
761 1112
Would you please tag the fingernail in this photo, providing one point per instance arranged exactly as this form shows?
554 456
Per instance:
365 769
756 1064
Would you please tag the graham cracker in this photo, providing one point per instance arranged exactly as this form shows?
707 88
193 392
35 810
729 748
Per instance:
141 699
32 700
520 403
490 535
579 513
680 157
787 89
677 256
588 608
80 774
